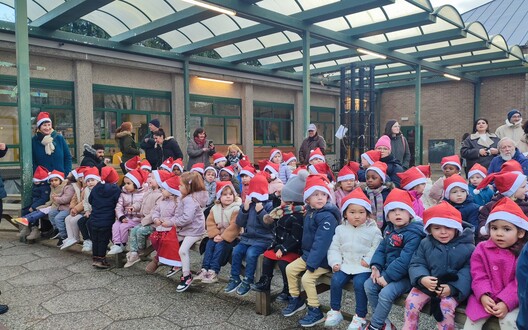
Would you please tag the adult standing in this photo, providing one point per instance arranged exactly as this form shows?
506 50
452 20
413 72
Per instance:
126 143
399 145
199 148
312 142
481 146
165 147
523 144
148 144
507 151
512 128
393 165
49 148
93 155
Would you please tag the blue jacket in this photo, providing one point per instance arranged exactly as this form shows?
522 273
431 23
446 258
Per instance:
469 210
483 197
256 232
40 194
393 168
103 199
60 159
522 288
436 259
318 230
393 256
496 163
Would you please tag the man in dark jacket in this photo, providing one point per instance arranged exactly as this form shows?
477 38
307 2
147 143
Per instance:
148 142
312 142
93 155
507 151
165 147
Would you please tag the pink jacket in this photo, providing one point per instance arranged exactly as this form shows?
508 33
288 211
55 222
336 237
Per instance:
418 206
126 200
165 210
150 199
189 218
437 190
63 200
492 272
339 195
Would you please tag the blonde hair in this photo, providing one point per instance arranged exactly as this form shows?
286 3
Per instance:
234 147
192 181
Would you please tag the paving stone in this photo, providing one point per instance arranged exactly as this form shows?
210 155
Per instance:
23 317
16 260
78 301
40 277
30 295
138 284
83 266
92 320
245 316
146 323
87 281
148 305
217 326
9 272
48 263
136 270
18 250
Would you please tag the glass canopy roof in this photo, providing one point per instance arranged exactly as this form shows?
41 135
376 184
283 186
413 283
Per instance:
266 36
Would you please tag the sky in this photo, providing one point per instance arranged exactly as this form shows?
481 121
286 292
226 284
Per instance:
461 5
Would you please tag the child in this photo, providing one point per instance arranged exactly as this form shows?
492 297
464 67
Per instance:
103 199
40 194
132 163
426 200
233 155
177 167
389 265
439 269
456 193
77 204
275 156
450 166
221 230
198 167
189 221
413 180
377 191
319 226
476 174
246 174
145 165
167 165
287 221
256 238
367 159
127 209
274 183
316 157
228 174
288 165
210 184
219 161
91 178
139 234
353 245
493 268
522 280
346 181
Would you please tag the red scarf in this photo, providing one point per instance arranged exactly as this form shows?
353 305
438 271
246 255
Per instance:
199 142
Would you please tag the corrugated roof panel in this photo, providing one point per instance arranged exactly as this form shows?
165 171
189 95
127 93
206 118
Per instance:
220 24
126 13
196 32
335 48
107 22
47 4
174 38
154 9
335 24
285 7
401 8
178 4
249 45
377 39
318 50
274 39
243 22
269 60
290 56
310 4
402 34
227 50
366 17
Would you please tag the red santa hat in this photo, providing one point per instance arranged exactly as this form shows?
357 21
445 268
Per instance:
411 178
425 169
211 168
511 166
299 168
249 171
138 177
273 169
43 117
198 167
161 176
321 168
218 157
92 173
167 164
506 209
316 154
477 169
346 173
145 165
258 188
443 214
380 168
451 160
356 197
288 157
399 199
228 169
221 185
56 174
41 174
274 152
172 185
168 252
316 182
132 163
109 175
453 181
506 183
177 163
78 172
371 156
244 161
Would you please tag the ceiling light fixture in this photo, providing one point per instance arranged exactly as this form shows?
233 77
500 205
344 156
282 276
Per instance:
368 52
451 77
217 80
211 7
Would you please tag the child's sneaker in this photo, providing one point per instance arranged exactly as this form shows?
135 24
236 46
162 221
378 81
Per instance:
295 304
210 277
60 242
333 318
87 246
115 249
201 275
313 316
173 271
132 258
358 323
243 288
185 283
22 221
283 296
232 285
68 242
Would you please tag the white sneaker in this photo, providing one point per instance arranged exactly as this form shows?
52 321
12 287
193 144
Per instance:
132 258
201 275
115 249
210 277
68 242
333 318
358 323
87 246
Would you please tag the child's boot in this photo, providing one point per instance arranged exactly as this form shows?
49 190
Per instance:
35 233
132 258
263 284
23 231
152 266
313 316
295 304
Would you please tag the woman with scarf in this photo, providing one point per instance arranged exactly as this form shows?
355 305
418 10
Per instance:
49 148
199 149
481 146
126 143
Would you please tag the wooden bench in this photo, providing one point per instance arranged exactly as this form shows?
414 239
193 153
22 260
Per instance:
12 208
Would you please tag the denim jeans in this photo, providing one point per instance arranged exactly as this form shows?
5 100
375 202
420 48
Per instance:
33 217
339 280
57 219
251 252
213 255
381 298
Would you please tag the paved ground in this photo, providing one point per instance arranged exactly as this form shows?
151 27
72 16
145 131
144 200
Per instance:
46 288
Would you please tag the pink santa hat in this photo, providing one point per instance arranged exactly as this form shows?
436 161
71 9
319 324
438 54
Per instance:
384 141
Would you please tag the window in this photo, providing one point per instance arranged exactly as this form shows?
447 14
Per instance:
114 105
324 119
220 117
55 97
273 124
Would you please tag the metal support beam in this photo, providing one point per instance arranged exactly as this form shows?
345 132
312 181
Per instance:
417 117
306 79
187 97
67 12
476 101
24 99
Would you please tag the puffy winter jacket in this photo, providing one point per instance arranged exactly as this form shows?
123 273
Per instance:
126 200
103 199
189 218
256 232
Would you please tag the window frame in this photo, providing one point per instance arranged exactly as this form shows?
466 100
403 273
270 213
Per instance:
278 106
316 110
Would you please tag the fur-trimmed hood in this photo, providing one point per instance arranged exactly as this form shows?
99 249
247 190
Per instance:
122 134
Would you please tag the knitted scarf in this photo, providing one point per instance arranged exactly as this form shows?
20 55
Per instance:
47 142
199 142
376 200
281 211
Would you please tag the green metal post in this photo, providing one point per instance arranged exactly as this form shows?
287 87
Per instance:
417 119
24 100
187 97
306 79
476 100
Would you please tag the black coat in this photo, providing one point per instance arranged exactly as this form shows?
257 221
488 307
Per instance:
470 150
3 192
393 168
90 158
170 148
147 144
103 198
288 231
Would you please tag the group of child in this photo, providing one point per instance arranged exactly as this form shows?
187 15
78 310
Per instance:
388 241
